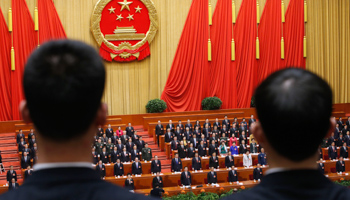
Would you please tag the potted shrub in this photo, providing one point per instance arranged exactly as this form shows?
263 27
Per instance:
211 103
156 106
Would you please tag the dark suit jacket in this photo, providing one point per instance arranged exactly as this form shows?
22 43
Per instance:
129 184
186 180
182 151
129 131
242 149
101 170
159 130
136 170
168 138
69 183
176 167
340 167
194 144
257 174
19 136
213 149
124 139
181 127
129 146
291 185
232 176
140 144
190 153
119 148
173 146
206 132
26 174
332 152
118 171
196 163
25 164
214 162
202 151
344 152
11 187
156 181
94 158
321 167
10 176
114 156
229 163
133 155
253 150
172 127
109 133
104 157
125 158
212 178
226 123
189 126
156 167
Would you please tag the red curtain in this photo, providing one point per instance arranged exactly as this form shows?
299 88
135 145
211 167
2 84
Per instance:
50 26
293 30
270 34
245 32
5 71
24 42
188 80
223 71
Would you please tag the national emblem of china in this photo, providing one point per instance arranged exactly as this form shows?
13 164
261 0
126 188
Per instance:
124 28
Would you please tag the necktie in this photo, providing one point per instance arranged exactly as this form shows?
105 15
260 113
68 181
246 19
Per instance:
176 161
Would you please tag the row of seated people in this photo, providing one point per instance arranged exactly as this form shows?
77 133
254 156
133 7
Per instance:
333 153
176 163
187 131
207 125
186 177
130 131
339 166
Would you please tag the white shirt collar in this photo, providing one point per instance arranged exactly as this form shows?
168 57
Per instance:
43 166
275 170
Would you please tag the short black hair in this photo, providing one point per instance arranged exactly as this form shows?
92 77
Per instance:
297 99
63 84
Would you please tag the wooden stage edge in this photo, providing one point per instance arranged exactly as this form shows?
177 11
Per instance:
138 119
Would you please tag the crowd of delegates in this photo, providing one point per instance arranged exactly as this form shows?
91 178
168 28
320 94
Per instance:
339 139
28 150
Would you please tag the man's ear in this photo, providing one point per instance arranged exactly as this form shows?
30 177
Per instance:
101 116
331 127
23 108
258 133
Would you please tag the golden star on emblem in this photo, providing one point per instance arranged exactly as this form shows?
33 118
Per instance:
119 17
125 5
138 9
130 17
111 10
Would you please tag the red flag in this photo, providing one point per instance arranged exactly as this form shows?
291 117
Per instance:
24 42
293 30
222 70
245 32
188 80
5 71
270 35
50 26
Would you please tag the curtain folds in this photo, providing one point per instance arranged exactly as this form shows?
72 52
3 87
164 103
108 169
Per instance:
5 71
223 72
188 79
24 42
50 26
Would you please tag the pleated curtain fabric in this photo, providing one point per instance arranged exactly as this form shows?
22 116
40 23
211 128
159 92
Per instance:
5 71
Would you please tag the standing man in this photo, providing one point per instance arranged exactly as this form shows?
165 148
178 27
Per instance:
186 178
212 176
159 131
257 173
176 164
156 165
129 130
146 153
63 84
301 101
262 157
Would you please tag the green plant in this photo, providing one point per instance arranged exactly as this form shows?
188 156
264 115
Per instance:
345 183
211 103
155 106
202 196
